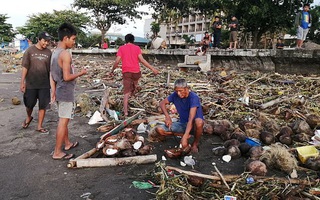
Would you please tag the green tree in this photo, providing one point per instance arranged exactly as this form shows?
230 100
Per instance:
314 34
155 28
107 12
50 22
6 30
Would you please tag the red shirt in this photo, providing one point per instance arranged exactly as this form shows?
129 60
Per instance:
129 55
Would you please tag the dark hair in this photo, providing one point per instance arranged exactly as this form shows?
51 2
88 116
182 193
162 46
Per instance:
66 29
216 17
129 38
206 32
306 4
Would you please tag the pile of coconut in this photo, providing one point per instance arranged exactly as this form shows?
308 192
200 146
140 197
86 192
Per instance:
269 145
124 144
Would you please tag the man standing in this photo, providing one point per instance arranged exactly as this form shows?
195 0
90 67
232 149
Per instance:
130 55
303 23
62 82
35 81
190 112
234 26
217 25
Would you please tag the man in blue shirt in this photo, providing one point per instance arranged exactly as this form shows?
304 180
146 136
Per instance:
303 23
190 112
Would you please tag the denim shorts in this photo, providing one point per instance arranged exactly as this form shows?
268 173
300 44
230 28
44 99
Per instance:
176 127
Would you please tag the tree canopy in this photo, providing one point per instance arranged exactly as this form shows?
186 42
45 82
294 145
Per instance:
104 13
6 30
50 22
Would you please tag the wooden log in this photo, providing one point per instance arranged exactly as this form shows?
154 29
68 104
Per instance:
217 178
72 162
104 104
104 162
273 102
120 126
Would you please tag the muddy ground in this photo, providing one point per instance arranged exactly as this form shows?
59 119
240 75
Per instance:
29 172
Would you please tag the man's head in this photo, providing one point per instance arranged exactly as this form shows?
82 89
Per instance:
67 34
181 88
306 7
216 18
44 39
206 33
233 18
129 38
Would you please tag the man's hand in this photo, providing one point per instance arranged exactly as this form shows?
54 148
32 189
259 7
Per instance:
23 87
83 72
168 122
184 140
53 98
155 71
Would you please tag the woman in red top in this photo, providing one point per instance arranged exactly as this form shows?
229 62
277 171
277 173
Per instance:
130 55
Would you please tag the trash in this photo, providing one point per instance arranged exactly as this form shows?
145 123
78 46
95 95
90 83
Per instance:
306 152
253 141
226 158
141 128
113 114
16 101
163 158
85 195
183 164
142 185
249 180
96 117
188 160
230 198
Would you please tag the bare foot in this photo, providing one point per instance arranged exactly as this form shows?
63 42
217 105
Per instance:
194 149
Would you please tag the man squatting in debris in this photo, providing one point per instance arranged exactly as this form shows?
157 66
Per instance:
35 82
62 81
190 112
130 55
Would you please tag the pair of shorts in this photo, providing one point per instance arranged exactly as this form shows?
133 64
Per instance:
130 81
302 33
66 109
31 96
177 127
233 36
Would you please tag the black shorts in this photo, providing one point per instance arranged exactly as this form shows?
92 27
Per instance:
31 96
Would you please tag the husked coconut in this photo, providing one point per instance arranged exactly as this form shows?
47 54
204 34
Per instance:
313 163
269 124
301 126
226 135
221 126
195 180
285 130
173 153
100 144
285 139
130 134
112 139
267 137
128 153
145 150
219 151
244 148
245 125
110 150
256 167
255 152
239 135
208 129
232 142
234 152
313 121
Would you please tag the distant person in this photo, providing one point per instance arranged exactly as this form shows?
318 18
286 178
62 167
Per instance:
62 85
234 27
130 55
217 25
303 23
104 45
191 119
35 80
206 40
202 50
279 44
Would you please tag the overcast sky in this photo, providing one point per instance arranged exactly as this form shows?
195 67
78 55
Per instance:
19 10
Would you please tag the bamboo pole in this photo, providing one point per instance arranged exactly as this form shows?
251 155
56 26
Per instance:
72 162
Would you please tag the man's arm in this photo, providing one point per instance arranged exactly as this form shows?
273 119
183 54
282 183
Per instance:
23 79
145 63
168 120
192 114
116 63
66 59
53 89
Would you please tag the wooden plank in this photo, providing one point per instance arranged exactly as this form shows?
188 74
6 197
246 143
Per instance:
72 162
105 162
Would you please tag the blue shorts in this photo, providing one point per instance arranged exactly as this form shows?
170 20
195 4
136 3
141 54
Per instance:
177 127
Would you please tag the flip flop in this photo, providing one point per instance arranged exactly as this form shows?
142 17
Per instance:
65 157
25 124
75 144
43 131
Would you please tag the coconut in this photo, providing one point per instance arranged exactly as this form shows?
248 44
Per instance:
145 150
195 180
285 130
234 152
244 148
16 101
239 135
301 126
208 129
100 144
173 153
112 139
226 135
255 152
128 152
256 167
302 137
313 163
254 133
221 126
267 137
110 150
232 142
130 134
153 136
313 121
122 144
285 139
219 151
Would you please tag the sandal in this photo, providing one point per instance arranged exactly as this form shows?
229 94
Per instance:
43 131
74 145
26 124
65 157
